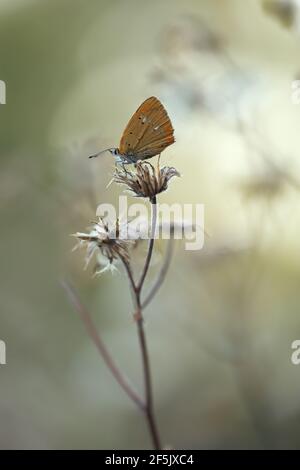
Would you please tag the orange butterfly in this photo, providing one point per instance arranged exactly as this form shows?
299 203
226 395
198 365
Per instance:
147 134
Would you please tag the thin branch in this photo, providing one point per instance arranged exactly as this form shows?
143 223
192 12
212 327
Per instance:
147 380
145 405
161 275
151 244
94 335
138 315
130 275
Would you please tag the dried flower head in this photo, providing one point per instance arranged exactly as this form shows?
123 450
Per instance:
104 239
146 181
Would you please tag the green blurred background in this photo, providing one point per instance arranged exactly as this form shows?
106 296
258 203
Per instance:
221 327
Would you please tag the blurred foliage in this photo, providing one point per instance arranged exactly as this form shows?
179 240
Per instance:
283 10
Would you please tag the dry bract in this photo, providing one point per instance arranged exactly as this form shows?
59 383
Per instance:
104 240
146 181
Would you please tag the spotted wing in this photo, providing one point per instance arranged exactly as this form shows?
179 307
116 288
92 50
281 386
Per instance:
148 132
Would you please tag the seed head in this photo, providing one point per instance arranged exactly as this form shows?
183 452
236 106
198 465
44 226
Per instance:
146 181
104 240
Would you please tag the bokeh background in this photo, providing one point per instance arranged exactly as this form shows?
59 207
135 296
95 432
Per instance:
221 327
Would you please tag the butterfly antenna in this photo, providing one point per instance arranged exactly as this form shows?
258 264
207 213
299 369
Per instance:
97 154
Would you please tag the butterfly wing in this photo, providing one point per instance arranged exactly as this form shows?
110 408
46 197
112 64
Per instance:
148 132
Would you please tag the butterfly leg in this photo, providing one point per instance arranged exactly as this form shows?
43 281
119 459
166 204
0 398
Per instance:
158 163
124 169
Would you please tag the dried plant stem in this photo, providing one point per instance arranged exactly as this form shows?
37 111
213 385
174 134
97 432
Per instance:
161 275
144 404
147 380
138 315
151 244
96 338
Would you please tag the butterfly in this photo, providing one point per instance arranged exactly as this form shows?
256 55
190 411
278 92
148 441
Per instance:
147 134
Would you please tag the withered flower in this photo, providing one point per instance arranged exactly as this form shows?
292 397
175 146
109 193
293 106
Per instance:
105 240
146 181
